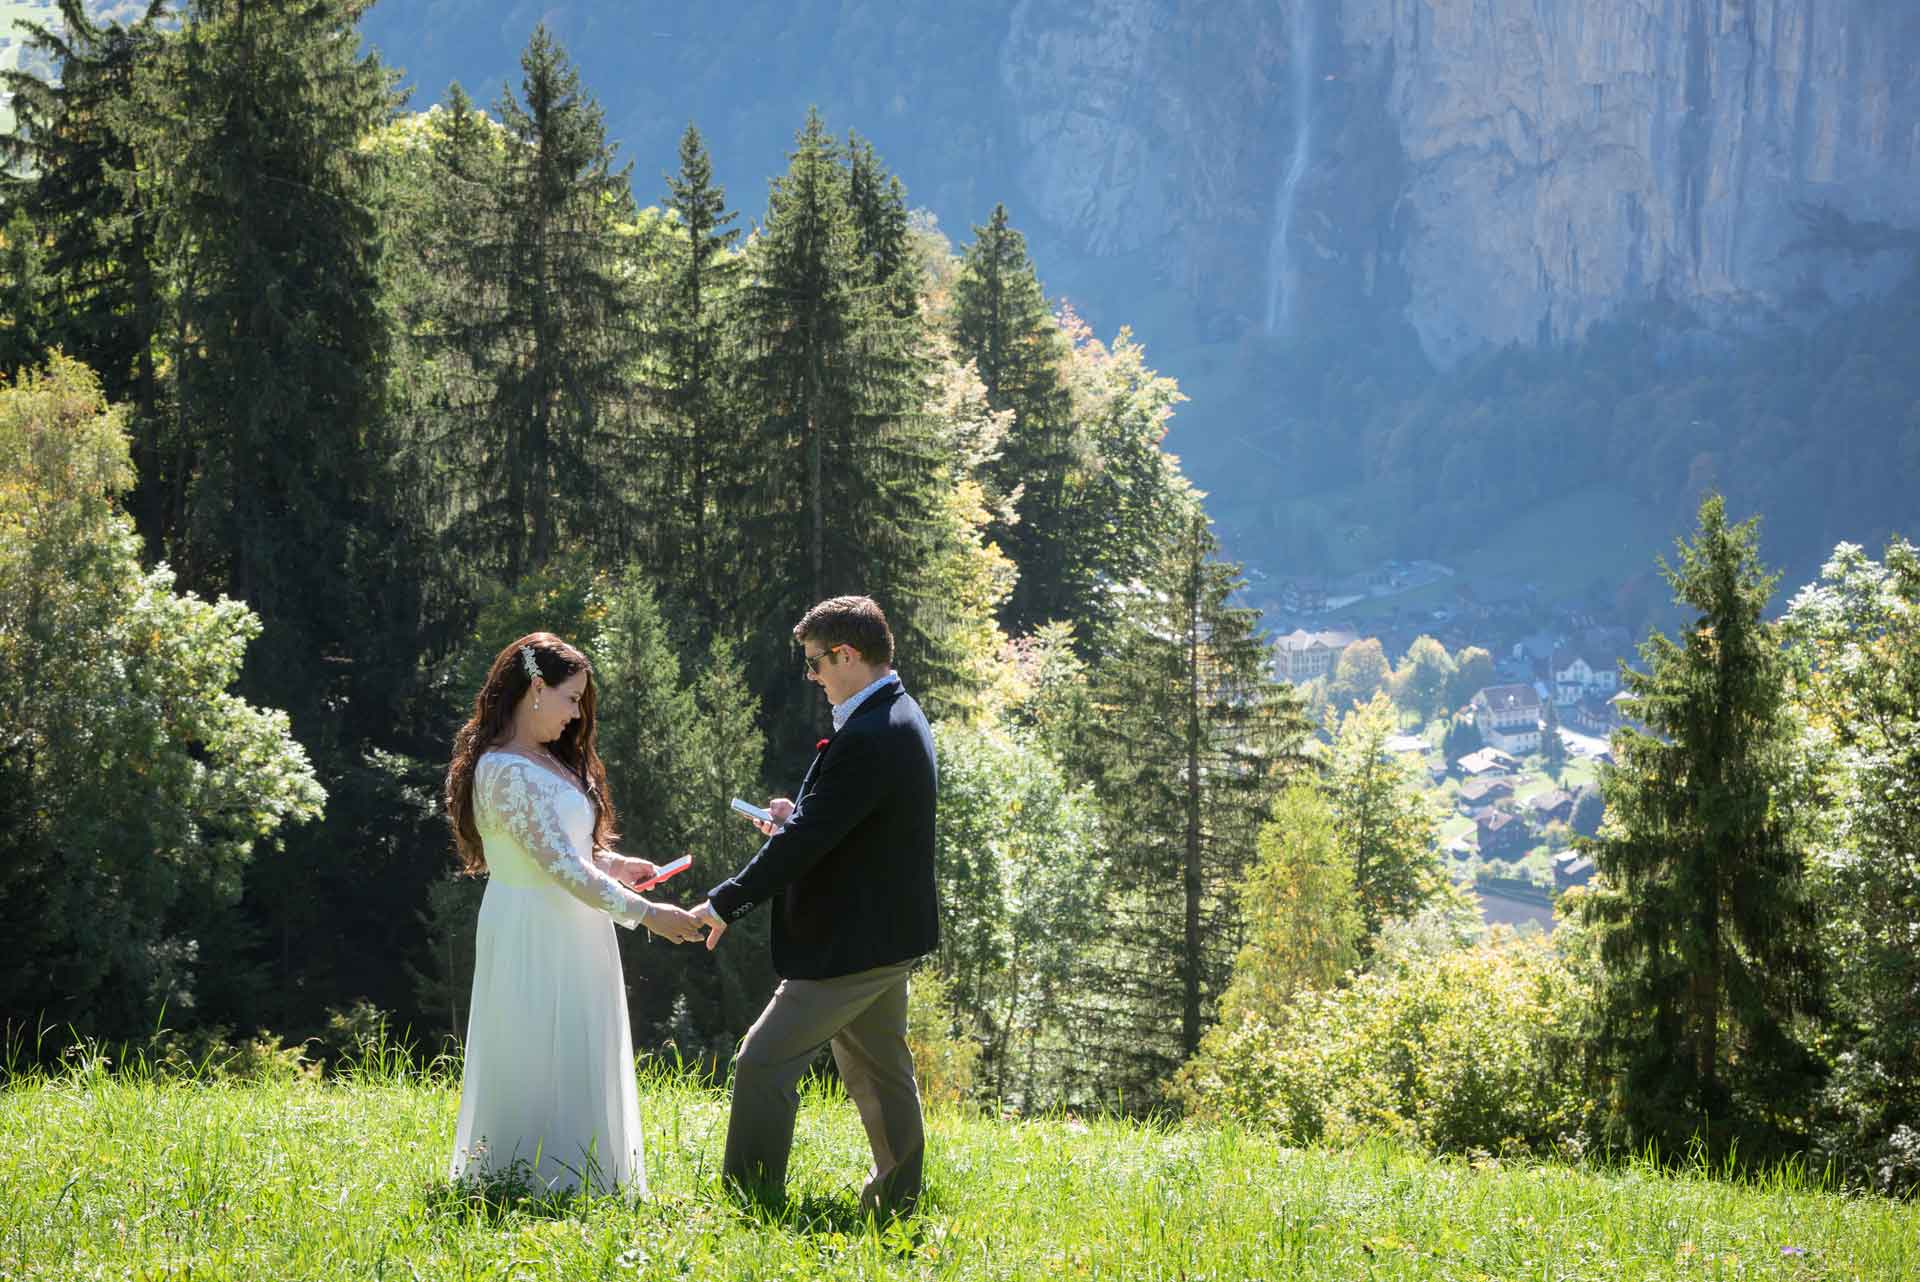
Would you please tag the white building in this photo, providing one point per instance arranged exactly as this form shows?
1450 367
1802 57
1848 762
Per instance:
1508 717
1300 656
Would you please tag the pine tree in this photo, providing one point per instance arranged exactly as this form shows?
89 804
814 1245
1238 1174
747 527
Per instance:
444 175
729 755
844 495
560 391
529 322
278 359
1001 322
1705 924
1553 749
679 743
81 149
1194 732
279 351
878 201
26 324
697 444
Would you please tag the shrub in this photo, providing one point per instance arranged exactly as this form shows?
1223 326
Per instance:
1471 1049
944 1060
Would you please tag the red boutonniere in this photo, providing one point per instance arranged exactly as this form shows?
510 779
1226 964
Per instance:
822 745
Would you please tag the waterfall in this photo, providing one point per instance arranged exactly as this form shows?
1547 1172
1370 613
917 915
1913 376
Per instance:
1282 273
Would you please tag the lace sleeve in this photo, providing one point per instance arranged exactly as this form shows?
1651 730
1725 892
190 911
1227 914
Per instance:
516 796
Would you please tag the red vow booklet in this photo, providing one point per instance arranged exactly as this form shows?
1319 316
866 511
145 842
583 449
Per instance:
665 871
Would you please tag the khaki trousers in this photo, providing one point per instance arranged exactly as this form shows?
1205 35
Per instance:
864 1017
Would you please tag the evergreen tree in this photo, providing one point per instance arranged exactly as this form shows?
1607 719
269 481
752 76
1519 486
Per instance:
1001 322
729 755
280 348
81 152
1462 739
26 326
525 328
844 492
1705 924
278 358
444 172
878 201
559 406
691 367
679 743
1193 731
1553 749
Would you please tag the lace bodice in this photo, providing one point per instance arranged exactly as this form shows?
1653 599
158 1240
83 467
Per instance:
537 828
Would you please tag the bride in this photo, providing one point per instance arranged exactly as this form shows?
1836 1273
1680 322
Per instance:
548 1086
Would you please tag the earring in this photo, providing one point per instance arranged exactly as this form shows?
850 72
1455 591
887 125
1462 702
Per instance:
536 703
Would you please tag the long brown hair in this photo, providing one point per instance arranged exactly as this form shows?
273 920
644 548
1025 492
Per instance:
491 722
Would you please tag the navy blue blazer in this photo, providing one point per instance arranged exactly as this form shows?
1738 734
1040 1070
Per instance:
851 876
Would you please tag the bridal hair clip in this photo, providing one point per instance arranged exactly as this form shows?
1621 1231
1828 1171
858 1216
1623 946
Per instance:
527 662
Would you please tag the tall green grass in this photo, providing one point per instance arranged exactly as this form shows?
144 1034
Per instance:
124 1173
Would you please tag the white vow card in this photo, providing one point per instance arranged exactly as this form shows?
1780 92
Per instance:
752 811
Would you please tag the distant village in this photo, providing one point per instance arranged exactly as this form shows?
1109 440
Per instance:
1508 820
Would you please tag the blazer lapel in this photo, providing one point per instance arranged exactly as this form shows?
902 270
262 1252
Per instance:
881 698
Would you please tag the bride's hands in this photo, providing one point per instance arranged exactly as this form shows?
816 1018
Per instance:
628 870
672 923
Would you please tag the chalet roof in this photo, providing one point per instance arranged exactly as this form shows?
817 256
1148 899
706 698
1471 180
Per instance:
1475 789
1551 800
1484 760
1512 698
1497 820
1300 639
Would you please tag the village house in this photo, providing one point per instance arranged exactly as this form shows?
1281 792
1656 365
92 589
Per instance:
1591 715
1305 595
1300 656
1587 668
1571 868
1503 836
1487 761
1552 807
1508 717
1484 791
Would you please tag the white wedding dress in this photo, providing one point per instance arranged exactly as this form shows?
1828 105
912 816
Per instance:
548 1085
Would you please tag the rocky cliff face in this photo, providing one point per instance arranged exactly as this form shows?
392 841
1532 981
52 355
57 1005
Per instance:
1490 170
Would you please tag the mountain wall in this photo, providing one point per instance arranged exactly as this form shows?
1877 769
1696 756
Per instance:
1490 170
1479 171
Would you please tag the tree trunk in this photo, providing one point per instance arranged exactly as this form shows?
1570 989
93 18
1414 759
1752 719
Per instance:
1190 1014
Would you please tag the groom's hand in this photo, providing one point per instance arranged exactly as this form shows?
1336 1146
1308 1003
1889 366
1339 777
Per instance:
782 810
705 916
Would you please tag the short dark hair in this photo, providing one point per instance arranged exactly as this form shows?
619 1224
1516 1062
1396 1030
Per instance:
849 620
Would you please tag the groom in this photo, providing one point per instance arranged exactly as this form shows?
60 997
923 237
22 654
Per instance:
849 874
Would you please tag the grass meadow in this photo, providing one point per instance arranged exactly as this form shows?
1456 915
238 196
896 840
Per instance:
109 1175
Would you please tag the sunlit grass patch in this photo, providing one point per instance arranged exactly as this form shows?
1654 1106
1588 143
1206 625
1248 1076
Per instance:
105 1176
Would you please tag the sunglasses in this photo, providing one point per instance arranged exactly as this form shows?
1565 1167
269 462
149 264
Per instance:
813 660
